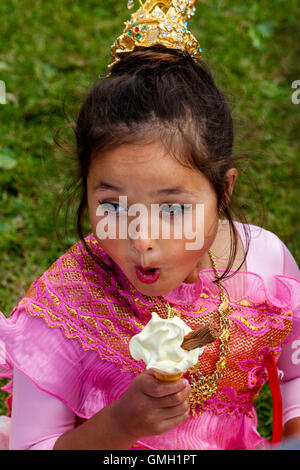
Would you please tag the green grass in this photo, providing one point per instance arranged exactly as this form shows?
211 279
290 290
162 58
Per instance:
52 51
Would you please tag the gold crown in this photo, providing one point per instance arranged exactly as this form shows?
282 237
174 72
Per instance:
158 22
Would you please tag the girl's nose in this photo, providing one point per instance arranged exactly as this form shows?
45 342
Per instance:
142 236
143 244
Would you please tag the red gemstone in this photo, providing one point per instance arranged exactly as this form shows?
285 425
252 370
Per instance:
136 29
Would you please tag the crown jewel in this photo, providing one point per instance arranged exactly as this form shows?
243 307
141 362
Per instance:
158 22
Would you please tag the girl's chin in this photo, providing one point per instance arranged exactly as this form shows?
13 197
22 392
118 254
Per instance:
152 290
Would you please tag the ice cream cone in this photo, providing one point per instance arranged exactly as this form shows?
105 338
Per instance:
165 353
165 377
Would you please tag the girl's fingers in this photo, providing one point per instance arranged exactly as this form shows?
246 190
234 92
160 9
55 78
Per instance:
174 399
156 389
174 411
172 417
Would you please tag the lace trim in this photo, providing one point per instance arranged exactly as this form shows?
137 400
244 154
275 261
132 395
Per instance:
228 401
87 342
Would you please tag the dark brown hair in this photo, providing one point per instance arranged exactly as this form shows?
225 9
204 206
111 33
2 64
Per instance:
152 93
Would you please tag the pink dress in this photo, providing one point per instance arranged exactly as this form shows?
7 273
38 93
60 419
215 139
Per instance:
65 346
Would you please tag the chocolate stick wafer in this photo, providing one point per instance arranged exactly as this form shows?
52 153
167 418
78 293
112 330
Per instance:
200 337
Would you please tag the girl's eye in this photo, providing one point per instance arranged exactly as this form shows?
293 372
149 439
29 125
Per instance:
173 209
110 206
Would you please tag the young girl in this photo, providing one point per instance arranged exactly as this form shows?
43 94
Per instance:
157 130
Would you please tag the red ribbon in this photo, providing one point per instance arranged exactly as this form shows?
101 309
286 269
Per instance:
276 398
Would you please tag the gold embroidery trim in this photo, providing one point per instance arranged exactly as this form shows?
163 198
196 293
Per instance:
125 367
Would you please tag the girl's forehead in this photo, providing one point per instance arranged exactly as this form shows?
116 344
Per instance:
150 171
136 153
151 161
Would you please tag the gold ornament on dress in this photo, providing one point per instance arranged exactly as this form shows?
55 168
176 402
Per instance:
158 22
203 387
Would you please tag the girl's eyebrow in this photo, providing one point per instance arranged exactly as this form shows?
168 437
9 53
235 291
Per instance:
177 190
106 186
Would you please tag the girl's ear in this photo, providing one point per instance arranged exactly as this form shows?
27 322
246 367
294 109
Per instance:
229 181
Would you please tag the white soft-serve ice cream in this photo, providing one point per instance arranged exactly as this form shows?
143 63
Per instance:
158 345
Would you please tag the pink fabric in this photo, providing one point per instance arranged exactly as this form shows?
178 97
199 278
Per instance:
74 381
51 417
290 392
5 425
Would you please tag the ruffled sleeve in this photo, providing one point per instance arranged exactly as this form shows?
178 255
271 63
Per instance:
245 286
274 282
43 355
56 365
48 416
64 333
289 361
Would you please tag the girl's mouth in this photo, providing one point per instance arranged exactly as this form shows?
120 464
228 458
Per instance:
147 275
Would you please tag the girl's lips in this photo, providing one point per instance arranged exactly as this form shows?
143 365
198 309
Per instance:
148 277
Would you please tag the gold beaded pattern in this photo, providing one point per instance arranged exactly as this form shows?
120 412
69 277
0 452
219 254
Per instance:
203 387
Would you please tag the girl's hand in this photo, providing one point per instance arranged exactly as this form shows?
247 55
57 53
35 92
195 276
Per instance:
150 407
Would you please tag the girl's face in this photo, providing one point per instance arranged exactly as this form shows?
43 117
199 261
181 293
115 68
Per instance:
146 175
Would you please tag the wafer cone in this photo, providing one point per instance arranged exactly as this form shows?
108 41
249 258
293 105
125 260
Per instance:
165 377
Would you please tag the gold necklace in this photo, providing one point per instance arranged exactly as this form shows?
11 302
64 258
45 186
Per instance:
203 387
